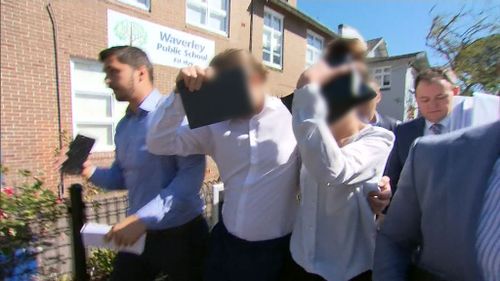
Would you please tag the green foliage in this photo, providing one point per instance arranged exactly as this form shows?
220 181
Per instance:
469 42
28 211
479 63
100 264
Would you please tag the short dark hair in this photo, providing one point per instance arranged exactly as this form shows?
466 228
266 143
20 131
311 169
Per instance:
435 73
130 55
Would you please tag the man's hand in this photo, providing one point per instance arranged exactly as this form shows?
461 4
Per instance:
87 168
126 232
194 76
379 200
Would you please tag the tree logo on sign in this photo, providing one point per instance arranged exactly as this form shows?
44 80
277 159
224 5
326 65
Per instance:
131 33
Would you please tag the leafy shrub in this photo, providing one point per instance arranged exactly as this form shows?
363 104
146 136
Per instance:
28 212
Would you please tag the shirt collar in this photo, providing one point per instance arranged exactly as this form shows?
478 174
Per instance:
445 122
270 103
149 103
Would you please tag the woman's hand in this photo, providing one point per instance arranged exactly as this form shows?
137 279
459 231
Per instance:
194 76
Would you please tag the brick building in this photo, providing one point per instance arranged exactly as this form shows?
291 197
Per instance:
51 81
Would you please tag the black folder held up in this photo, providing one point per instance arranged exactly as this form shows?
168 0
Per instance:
79 150
226 97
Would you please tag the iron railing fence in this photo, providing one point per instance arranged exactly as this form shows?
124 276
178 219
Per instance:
50 255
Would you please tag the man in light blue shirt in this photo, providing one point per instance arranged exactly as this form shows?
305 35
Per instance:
164 199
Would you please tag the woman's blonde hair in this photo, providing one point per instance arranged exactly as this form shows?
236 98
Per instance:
232 58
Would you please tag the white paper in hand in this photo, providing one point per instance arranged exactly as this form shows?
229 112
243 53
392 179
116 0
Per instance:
93 237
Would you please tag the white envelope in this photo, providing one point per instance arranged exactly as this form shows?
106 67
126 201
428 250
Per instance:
93 237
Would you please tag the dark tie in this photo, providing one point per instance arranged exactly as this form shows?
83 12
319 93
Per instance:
436 129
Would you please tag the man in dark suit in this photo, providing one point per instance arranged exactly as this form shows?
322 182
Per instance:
434 91
447 207
368 111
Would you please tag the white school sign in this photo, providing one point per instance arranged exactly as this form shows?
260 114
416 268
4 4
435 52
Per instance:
163 45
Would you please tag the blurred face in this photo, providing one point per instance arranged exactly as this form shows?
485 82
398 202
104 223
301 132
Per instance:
257 91
345 122
434 99
121 78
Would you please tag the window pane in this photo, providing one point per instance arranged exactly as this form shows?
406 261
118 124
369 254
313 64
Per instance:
309 55
277 59
318 44
387 80
266 56
310 40
88 77
217 4
92 106
196 14
378 70
277 43
276 24
144 4
102 133
267 19
119 110
217 22
266 40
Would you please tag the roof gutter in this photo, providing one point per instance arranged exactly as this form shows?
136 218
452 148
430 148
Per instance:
301 15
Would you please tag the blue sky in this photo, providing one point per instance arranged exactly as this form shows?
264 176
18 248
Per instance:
403 23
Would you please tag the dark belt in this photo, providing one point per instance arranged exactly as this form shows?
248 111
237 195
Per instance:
178 229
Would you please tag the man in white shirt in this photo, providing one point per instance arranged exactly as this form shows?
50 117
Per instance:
258 163
434 91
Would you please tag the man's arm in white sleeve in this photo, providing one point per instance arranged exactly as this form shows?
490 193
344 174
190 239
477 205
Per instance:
169 135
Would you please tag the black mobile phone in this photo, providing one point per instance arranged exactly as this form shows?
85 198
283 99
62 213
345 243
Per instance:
226 97
79 150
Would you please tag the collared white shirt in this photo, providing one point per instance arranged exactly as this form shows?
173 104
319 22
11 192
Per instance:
257 159
446 122
334 234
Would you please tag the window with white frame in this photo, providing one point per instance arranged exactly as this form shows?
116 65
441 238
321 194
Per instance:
314 48
272 53
95 109
141 4
383 76
208 14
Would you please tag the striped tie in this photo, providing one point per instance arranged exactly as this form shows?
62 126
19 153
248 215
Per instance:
436 129
488 232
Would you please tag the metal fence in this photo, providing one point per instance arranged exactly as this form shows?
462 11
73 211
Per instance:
52 255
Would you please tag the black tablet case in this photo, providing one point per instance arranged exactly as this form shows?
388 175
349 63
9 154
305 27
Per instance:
79 151
224 98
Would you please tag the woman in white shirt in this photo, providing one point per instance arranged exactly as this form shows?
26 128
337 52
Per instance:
342 162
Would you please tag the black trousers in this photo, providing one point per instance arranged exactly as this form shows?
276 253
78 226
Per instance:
233 259
176 252
294 272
